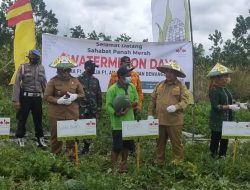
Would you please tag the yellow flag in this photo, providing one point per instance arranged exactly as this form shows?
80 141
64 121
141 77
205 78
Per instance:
20 15
24 41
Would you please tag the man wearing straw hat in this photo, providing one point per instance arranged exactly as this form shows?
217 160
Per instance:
168 101
62 93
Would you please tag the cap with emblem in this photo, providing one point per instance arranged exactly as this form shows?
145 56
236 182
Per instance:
125 59
90 64
122 71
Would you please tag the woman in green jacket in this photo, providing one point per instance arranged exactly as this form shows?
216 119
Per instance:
222 107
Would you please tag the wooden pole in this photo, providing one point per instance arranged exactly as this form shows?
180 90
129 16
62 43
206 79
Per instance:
236 142
138 153
76 153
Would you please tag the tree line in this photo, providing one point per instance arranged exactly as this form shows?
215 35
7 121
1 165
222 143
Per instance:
233 52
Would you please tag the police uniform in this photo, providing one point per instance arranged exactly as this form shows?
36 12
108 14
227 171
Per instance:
28 91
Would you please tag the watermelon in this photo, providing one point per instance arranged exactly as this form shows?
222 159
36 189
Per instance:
121 102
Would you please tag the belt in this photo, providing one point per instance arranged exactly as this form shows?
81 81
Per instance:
32 94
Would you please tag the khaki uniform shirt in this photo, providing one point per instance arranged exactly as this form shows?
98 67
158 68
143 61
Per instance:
57 88
166 94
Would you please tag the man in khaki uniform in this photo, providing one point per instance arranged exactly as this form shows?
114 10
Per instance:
168 101
62 92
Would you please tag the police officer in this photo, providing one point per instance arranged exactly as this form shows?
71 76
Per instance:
27 95
91 106
62 93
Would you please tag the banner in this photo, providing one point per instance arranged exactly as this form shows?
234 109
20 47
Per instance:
4 128
145 56
143 129
170 20
79 129
232 130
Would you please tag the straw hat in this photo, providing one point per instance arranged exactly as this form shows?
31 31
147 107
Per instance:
218 70
172 66
63 62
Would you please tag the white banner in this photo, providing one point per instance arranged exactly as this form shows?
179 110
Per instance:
4 127
79 129
232 129
142 128
145 56
170 20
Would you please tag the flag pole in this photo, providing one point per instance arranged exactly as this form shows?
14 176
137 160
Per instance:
191 35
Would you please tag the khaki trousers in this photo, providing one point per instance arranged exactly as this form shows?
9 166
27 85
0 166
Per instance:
174 133
56 146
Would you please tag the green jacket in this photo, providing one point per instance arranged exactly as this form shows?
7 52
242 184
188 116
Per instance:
113 91
219 96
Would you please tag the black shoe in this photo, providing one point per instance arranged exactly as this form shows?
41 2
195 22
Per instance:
41 142
85 151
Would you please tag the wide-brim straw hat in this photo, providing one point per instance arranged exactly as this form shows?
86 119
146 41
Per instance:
218 70
172 66
63 62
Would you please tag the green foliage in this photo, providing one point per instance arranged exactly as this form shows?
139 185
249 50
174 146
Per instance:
46 21
235 52
77 32
123 38
34 168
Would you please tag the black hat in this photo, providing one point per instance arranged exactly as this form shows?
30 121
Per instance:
123 70
90 64
125 59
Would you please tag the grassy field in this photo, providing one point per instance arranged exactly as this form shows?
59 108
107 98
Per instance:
32 168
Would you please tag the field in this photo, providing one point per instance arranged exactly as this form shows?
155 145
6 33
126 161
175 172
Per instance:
33 168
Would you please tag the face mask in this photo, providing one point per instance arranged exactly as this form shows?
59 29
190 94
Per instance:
90 70
34 60
63 74
127 80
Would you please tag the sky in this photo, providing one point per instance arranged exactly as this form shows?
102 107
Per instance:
133 17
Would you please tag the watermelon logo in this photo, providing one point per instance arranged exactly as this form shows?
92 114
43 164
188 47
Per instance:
153 124
91 123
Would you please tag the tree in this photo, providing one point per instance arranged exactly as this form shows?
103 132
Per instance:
6 33
46 21
123 38
104 37
6 45
77 32
216 38
93 36
200 60
241 32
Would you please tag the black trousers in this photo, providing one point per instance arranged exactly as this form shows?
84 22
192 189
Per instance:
217 144
33 104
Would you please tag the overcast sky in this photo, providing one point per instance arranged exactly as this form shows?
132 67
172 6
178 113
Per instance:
133 17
